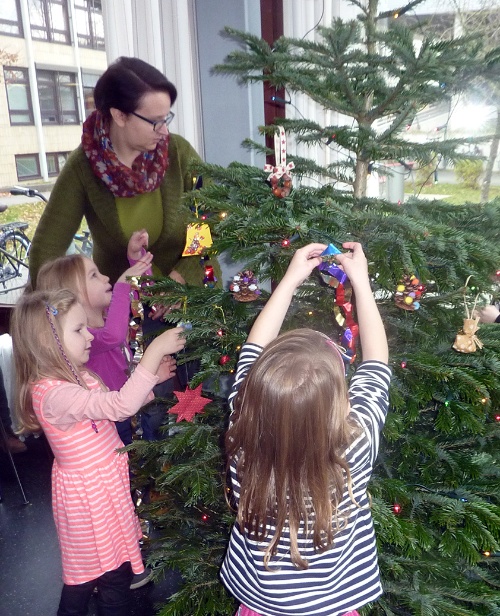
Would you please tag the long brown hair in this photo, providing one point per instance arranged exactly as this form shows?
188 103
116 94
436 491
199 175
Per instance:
289 436
37 354
66 272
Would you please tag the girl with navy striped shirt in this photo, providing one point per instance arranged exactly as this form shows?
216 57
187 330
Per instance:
301 448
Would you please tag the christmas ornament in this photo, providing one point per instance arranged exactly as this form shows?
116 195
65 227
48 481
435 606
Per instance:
190 403
224 360
408 293
280 174
209 279
466 340
198 237
343 309
244 286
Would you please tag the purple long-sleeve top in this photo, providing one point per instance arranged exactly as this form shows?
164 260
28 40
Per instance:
109 351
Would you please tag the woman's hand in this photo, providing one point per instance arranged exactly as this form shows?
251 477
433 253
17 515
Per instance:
158 311
488 314
177 277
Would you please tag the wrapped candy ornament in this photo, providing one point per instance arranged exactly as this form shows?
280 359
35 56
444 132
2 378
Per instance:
343 308
466 340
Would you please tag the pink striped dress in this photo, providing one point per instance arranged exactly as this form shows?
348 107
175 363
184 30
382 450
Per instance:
94 514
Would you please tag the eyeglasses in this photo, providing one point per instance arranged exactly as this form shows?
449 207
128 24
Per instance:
159 123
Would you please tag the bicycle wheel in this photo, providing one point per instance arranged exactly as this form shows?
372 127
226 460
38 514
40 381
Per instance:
14 261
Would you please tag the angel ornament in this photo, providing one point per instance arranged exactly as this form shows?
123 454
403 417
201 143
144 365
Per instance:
466 340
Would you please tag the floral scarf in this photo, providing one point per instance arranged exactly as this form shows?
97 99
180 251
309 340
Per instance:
147 171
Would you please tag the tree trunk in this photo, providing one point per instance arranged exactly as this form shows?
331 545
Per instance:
495 142
360 178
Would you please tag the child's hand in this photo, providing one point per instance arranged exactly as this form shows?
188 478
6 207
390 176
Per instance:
137 241
170 342
354 263
303 263
167 368
138 269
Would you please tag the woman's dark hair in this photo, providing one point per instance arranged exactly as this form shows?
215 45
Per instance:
125 82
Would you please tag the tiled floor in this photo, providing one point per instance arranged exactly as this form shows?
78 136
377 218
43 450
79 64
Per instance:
30 566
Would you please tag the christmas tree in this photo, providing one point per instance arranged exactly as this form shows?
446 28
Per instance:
435 496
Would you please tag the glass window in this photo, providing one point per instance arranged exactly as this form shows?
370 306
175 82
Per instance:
47 96
56 161
89 23
18 95
67 97
88 81
49 20
27 166
10 20
58 99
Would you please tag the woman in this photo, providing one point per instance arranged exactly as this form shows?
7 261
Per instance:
129 173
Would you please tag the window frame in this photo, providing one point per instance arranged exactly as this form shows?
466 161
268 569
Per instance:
25 82
89 40
88 90
36 158
51 33
58 167
45 76
18 23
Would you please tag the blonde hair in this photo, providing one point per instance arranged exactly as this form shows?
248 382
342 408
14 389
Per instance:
289 436
67 272
38 350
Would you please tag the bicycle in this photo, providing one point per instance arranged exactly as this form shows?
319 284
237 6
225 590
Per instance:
14 256
82 242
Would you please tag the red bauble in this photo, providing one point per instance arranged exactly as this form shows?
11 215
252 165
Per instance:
224 359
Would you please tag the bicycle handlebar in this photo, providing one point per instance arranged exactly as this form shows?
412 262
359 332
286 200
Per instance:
27 192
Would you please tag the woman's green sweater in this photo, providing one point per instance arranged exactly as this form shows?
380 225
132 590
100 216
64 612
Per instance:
78 193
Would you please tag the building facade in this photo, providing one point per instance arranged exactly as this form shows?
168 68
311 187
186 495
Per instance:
51 55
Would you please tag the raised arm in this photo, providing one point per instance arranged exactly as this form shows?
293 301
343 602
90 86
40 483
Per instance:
371 329
268 324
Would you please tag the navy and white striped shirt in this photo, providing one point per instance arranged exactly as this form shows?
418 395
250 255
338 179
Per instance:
346 576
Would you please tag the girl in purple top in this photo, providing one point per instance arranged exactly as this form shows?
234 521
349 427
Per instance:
107 309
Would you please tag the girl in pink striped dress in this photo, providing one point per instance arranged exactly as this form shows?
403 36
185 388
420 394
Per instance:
94 514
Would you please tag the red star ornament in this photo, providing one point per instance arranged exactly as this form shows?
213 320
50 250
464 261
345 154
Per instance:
190 403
